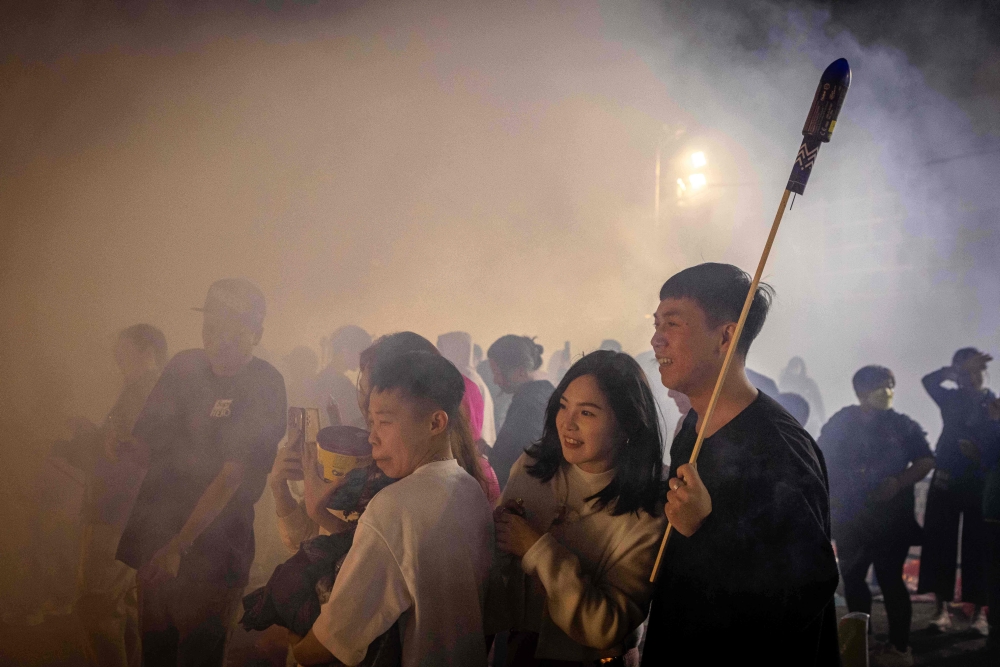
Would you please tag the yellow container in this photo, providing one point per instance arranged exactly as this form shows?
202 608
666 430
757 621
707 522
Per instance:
338 465
341 449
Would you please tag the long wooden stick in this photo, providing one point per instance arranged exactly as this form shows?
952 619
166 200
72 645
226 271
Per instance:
726 362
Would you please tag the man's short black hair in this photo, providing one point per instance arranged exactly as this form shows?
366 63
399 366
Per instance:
720 290
870 378
423 376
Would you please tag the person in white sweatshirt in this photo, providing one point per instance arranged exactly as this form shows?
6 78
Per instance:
422 550
581 518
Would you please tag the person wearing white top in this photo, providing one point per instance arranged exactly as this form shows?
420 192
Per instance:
422 550
581 518
303 515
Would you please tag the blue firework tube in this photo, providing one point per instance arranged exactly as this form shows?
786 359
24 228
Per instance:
803 164
820 122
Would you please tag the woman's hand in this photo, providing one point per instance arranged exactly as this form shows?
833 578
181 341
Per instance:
287 465
317 489
515 535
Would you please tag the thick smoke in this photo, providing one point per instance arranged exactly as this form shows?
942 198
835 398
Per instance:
476 166
892 255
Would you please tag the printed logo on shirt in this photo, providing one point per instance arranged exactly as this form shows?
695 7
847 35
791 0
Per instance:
221 407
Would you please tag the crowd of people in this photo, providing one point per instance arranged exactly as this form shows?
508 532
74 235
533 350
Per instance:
510 515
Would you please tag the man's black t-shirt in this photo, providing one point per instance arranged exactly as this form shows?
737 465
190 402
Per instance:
862 451
193 422
756 581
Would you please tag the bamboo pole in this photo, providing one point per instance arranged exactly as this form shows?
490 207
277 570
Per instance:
720 381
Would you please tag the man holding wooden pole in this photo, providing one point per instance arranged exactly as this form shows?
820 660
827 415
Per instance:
751 573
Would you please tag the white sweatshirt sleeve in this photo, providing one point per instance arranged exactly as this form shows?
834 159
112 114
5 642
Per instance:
368 596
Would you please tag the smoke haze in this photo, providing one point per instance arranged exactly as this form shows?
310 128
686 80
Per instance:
486 167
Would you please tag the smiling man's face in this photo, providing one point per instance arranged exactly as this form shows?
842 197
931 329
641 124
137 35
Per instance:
687 348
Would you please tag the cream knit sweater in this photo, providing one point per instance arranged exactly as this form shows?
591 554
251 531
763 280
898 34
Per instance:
584 586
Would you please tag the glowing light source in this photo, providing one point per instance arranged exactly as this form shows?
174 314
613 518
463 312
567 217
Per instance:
681 187
698 160
697 181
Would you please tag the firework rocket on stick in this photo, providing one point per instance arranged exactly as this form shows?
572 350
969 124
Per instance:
819 126
818 129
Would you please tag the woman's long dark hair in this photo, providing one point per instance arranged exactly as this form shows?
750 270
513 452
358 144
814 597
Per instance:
638 456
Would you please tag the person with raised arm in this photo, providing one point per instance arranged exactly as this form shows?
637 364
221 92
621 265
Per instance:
956 491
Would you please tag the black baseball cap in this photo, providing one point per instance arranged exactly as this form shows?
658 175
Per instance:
237 298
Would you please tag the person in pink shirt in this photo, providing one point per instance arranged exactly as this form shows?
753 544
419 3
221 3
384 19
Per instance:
474 409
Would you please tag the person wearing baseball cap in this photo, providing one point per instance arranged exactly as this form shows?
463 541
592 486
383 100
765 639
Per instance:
210 429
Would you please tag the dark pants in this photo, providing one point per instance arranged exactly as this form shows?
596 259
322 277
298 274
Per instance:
993 595
856 551
939 555
187 621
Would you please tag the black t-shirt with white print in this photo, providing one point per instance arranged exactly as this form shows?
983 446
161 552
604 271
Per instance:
193 422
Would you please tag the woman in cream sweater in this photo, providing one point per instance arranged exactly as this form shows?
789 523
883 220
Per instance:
581 518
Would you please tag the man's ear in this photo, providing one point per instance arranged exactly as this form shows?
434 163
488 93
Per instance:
727 332
257 336
439 422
